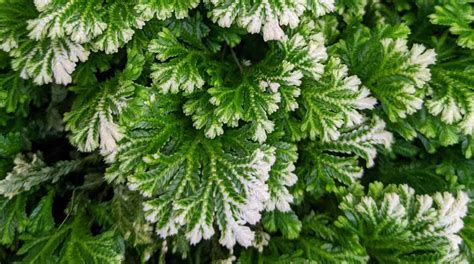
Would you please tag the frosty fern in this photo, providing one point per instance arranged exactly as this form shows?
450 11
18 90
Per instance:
270 131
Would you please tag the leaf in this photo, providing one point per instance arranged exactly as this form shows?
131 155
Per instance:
93 116
103 248
265 16
282 177
180 68
319 242
467 233
15 93
86 73
122 216
230 190
394 224
245 102
10 144
458 16
333 102
394 73
121 19
337 161
287 223
79 20
47 59
14 15
195 182
164 9
72 243
41 218
453 94
31 171
351 7
13 218
262 89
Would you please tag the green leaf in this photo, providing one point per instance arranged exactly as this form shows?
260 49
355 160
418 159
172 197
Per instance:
164 9
72 243
181 67
262 89
282 177
458 16
85 73
31 171
394 73
93 116
122 216
195 182
245 102
13 218
79 20
395 224
333 102
10 144
15 93
265 16
48 59
467 233
121 19
83 248
453 94
337 161
319 242
287 223
41 218
14 15
351 7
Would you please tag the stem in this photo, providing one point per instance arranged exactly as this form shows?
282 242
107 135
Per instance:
236 60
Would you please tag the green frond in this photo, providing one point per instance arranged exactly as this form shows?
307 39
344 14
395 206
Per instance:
211 182
92 119
333 103
48 59
79 20
394 224
15 93
121 19
338 161
181 67
164 9
458 15
394 73
267 16
13 218
10 144
263 89
93 116
453 94
32 171
287 223
72 243
14 15
319 242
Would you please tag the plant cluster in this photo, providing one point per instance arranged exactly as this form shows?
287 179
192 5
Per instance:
248 131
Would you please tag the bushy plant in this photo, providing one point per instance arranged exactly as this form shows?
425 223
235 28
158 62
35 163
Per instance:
248 131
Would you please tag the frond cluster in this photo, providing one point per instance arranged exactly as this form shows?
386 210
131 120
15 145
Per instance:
220 131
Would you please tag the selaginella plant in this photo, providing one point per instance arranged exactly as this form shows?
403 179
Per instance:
249 131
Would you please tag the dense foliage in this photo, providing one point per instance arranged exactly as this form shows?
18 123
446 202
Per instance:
249 131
